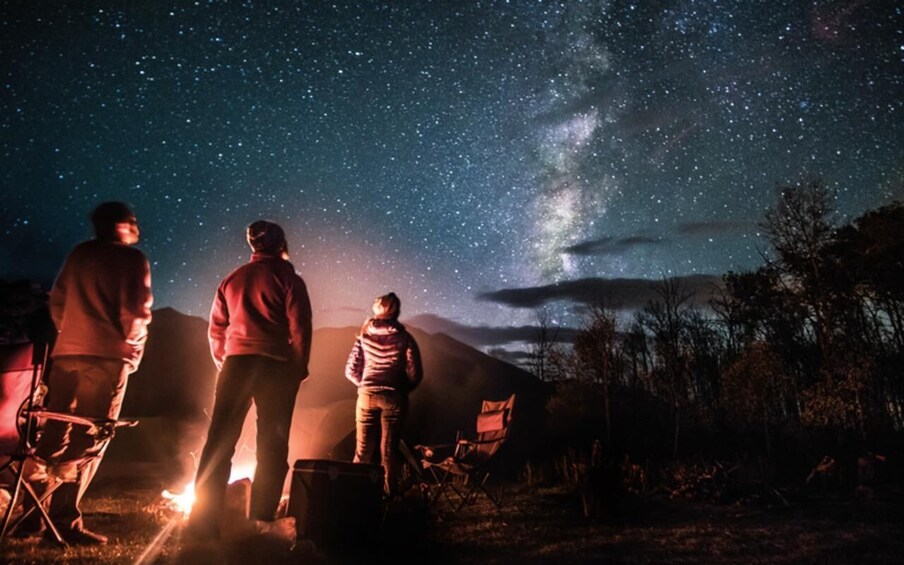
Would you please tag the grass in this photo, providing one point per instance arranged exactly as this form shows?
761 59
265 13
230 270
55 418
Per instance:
535 525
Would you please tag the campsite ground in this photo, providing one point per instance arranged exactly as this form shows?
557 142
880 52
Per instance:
536 525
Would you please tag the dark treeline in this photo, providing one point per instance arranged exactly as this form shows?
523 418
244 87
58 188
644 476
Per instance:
797 360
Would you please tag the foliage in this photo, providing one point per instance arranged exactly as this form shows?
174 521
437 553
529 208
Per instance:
811 341
754 387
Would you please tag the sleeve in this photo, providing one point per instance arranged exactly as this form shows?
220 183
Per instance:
413 367
216 328
354 366
135 311
57 302
298 312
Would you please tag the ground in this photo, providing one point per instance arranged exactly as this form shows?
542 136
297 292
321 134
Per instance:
536 524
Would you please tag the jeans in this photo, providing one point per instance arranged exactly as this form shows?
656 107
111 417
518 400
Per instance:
379 416
272 387
86 386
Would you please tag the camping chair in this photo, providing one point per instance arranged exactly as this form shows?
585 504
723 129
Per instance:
21 419
465 473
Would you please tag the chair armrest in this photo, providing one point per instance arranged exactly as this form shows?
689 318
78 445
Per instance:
98 427
428 451
477 441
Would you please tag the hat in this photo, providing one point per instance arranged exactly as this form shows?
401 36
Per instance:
387 307
105 217
267 237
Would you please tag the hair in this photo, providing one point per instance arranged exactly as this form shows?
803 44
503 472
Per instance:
387 307
267 237
105 217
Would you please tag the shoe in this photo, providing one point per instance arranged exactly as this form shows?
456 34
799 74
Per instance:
78 536
31 527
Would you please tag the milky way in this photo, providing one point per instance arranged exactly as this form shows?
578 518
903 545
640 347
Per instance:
446 151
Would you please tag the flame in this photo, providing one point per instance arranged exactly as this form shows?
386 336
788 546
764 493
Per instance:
183 501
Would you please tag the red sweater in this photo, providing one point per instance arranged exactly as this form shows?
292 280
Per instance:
262 308
101 302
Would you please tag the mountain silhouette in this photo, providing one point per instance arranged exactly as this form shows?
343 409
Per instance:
172 393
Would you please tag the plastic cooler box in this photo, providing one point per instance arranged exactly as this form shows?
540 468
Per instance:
336 502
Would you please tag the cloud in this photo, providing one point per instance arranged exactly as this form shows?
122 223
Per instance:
713 228
519 358
607 245
611 245
482 336
628 294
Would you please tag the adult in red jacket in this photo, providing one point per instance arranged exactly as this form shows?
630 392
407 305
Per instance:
385 365
260 339
101 306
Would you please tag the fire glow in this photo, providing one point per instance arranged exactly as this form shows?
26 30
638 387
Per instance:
183 502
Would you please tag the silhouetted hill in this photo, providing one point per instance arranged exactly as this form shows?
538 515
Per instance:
177 375
172 393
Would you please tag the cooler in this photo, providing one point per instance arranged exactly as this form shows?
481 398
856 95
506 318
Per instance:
336 502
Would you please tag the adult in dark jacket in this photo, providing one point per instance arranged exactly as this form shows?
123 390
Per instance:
260 340
385 365
101 306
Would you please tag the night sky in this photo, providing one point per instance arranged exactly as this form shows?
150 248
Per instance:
480 159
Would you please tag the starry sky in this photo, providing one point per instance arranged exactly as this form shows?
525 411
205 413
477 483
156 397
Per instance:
482 159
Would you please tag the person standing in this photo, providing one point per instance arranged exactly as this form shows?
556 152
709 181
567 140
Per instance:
260 340
385 365
100 304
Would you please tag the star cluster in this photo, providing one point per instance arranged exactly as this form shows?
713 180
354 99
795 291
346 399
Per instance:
439 149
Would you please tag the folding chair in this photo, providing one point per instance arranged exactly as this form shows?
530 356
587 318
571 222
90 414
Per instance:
412 473
22 415
466 472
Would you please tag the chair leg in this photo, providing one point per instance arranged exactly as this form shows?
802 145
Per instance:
439 486
495 498
476 487
470 494
27 492
7 516
444 482
39 506
17 467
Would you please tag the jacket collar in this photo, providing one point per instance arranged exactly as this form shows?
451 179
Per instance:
264 256
376 326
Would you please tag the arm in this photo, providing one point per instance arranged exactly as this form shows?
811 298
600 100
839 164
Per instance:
413 367
354 366
57 301
216 329
136 300
298 312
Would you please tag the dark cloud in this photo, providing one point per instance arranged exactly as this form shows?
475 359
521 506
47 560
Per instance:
625 294
483 336
520 358
611 245
619 246
714 228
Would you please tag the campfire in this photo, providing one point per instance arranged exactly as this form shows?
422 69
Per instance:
177 502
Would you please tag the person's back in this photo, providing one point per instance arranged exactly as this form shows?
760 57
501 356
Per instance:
387 359
259 298
97 306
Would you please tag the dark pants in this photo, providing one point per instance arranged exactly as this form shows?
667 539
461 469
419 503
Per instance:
272 387
87 386
378 424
